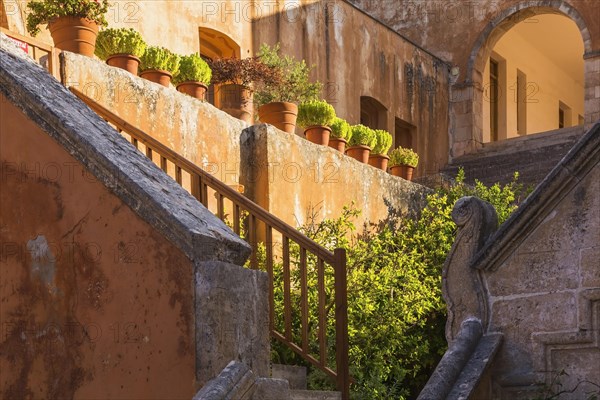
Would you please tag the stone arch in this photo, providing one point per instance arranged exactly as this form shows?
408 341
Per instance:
466 101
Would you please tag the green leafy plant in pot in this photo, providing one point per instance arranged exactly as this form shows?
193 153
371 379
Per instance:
194 76
361 142
277 101
316 116
73 24
121 48
340 134
403 161
378 157
158 65
236 79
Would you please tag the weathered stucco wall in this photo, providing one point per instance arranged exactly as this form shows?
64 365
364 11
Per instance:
353 55
90 293
294 179
356 56
300 174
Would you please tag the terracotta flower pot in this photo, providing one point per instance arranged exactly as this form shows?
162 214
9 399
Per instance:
281 115
318 134
157 76
403 171
359 153
74 34
124 61
194 89
236 100
338 143
379 161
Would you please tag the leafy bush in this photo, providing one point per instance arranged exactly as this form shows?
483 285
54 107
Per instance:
402 156
113 41
193 68
395 307
295 85
362 136
159 58
383 142
315 112
44 11
340 129
246 72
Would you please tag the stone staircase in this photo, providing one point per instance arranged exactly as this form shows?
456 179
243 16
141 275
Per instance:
532 156
296 376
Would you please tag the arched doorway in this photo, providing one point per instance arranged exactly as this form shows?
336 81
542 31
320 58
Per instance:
467 100
215 44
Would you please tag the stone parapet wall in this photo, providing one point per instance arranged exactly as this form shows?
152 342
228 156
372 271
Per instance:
284 173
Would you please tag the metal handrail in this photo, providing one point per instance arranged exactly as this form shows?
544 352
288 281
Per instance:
200 182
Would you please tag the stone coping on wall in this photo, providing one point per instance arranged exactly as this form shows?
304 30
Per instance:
154 196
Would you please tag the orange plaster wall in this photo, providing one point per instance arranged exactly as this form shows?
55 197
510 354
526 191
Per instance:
117 305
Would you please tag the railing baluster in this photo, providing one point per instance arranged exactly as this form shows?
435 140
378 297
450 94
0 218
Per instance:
149 152
178 175
134 142
163 163
322 317
341 323
253 241
195 186
304 299
287 301
220 206
236 218
269 251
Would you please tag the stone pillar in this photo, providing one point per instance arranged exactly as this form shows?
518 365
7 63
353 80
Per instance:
592 88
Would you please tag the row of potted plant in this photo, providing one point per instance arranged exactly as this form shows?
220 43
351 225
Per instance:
322 126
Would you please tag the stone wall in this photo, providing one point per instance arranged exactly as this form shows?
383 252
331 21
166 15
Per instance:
535 281
284 173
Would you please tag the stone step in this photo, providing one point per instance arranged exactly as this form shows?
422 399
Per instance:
314 395
533 157
295 375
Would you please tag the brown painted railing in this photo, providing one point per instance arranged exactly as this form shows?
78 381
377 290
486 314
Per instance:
37 49
251 220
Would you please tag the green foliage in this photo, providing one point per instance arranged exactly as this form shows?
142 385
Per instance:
193 68
295 85
159 58
395 307
315 112
362 135
113 41
403 156
383 142
340 129
44 11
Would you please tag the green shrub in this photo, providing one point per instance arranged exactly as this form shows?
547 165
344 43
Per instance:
395 307
383 142
362 136
193 68
340 129
44 11
159 58
403 156
315 112
295 85
113 41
